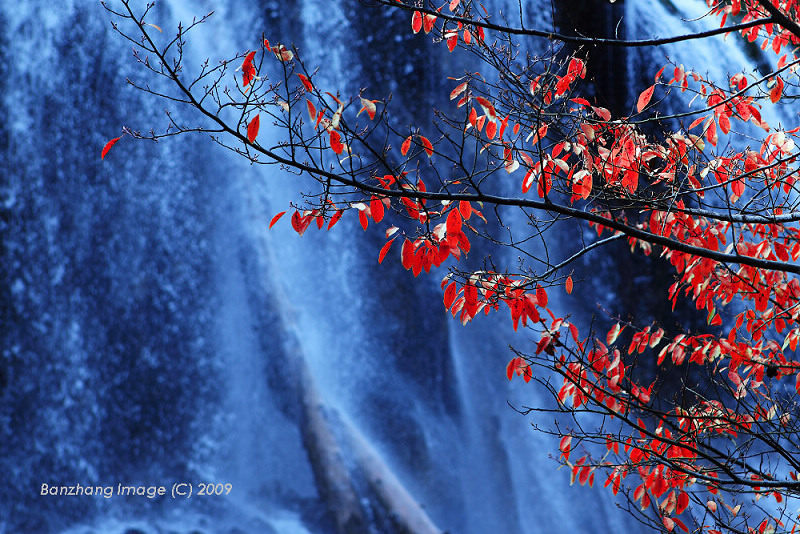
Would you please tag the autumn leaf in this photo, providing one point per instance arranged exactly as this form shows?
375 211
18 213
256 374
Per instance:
603 113
682 503
376 208
416 21
405 146
644 98
428 22
336 141
312 110
491 129
777 90
300 222
450 295
108 146
384 249
737 187
465 209
369 107
282 53
306 83
564 446
248 70
453 222
614 333
335 218
275 219
488 107
520 367
452 41
568 285
724 124
541 296
252 129
426 145
711 132
460 88
696 122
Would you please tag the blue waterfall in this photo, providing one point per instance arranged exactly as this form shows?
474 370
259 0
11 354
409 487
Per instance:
154 332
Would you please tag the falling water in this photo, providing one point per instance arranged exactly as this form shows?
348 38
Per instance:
156 332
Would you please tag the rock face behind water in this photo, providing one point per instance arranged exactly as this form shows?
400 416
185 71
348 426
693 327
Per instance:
154 332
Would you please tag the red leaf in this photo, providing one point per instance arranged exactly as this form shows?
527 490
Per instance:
460 88
776 91
568 285
452 41
450 295
470 294
407 253
724 124
696 122
369 107
465 208
405 146
248 60
644 98
376 209
564 446
335 218
252 129
603 113
453 222
545 183
108 147
312 110
711 132
584 474
362 218
306 82
426 144
541 296
416 21
488 107
613 333
275 219
737 186
520 367
491 129
336 142
300 223
248 70
682 503
384 250
428 22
